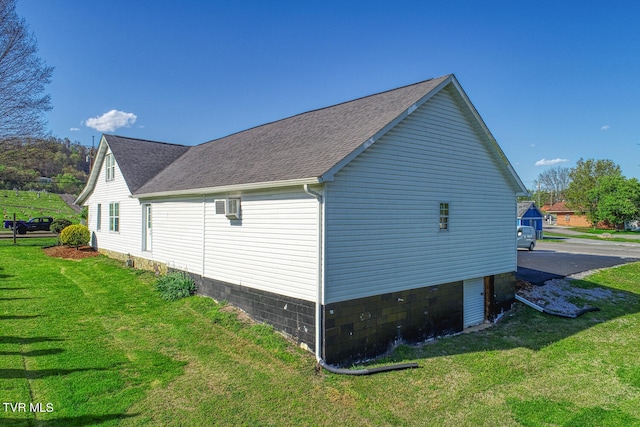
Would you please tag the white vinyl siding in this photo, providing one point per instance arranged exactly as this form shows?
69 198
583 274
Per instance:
178 233
128 239
383 209
272 248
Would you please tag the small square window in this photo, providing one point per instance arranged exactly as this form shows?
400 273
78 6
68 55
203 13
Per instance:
444 216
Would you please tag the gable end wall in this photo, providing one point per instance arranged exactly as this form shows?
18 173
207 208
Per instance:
382 210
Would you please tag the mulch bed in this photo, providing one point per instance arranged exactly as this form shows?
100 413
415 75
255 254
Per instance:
70 252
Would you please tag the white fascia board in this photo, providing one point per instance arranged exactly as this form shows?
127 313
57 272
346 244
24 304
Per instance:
329 175
95 170
229 188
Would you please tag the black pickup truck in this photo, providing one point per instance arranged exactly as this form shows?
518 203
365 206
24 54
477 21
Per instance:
34 224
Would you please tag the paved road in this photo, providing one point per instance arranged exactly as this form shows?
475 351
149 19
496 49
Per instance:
561 256
32 234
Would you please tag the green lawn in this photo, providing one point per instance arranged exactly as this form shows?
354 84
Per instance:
27 204
93 343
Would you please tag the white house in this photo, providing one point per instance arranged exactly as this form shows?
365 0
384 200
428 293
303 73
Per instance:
349 228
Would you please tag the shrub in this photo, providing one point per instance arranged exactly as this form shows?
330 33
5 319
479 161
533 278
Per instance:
175 285
59 224
75 235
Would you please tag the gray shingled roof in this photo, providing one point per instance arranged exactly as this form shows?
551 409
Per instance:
523 207
141 160
304 146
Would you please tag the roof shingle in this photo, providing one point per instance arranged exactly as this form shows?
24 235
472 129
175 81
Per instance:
303 146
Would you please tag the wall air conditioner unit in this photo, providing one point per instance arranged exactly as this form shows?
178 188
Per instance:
232 210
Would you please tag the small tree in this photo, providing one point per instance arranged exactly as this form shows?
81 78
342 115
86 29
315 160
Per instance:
582 193
75 235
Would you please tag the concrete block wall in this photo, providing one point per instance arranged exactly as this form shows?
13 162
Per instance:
367 327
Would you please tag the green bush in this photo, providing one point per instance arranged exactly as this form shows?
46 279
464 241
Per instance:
175 285
59 224
75 235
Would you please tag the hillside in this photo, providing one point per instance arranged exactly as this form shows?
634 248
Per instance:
29 204
52 164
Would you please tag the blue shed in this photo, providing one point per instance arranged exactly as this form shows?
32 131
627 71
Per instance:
529 214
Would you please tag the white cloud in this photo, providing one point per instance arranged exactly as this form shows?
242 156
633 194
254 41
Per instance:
545 162
74 129
605 127
110 121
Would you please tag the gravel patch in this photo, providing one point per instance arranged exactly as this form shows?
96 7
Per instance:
562 297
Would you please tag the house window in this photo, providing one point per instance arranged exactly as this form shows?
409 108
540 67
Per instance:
99 217
444 216
114 216
110 167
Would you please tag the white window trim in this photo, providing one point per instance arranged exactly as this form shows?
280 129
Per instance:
110 167
114 220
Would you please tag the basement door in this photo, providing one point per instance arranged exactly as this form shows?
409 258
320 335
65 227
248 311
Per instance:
473 297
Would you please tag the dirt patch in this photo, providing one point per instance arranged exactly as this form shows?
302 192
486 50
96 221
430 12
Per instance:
241 315
68 252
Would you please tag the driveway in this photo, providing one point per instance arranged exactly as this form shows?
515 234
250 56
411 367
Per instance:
562 256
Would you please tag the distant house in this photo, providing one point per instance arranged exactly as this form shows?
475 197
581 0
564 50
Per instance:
565 216
349 228
529 214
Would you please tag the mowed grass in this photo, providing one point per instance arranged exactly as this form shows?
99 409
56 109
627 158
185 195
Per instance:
96 342
27 204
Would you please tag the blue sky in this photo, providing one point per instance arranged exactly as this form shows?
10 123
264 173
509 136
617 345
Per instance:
554 81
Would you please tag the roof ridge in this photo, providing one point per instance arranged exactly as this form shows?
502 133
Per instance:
326 108
106 135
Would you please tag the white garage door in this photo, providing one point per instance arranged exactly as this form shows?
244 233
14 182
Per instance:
473 295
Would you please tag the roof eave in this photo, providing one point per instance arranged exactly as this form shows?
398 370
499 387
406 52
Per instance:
93 175
230 188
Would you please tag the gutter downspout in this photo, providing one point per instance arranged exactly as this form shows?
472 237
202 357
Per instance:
319 282
319 297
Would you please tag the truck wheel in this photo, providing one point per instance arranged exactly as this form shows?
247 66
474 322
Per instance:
22 230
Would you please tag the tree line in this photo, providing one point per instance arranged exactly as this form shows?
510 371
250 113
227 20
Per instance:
594 188
51 164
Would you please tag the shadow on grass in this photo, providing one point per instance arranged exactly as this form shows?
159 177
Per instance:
14 317
42 373
11 289
9 339
83 420
33 353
